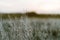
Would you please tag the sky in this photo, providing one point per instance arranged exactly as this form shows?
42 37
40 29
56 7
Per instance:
39 6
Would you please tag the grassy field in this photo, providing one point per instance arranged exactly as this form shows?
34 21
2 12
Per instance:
29 26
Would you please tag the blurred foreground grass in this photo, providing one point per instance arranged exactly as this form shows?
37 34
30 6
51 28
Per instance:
29 26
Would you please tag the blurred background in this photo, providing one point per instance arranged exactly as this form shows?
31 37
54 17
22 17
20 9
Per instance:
21 6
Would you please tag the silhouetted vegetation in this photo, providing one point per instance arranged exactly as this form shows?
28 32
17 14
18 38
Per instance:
29 14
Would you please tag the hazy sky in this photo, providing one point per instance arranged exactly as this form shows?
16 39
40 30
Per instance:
40 6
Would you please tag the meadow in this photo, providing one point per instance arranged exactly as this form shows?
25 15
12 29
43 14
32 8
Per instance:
29 26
